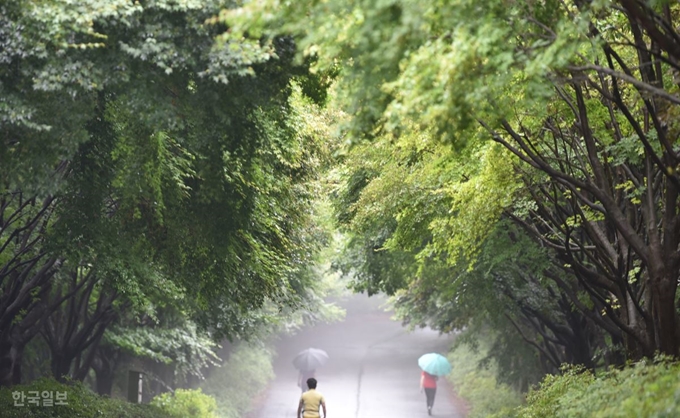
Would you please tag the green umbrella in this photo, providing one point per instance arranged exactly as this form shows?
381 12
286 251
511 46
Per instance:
434 364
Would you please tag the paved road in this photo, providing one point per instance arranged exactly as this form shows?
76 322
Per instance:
372 372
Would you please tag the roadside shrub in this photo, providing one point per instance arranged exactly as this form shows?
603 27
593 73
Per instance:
478 386
650 390
81 402
185 403
249 367
545 401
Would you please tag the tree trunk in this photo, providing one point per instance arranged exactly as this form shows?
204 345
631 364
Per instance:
16 367
61 365
105 363
104 381
11 354
7 360
663 299
83 367
580 343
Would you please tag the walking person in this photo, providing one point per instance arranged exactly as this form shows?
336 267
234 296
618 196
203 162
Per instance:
433 365
307 361
303 376
311 402
428 383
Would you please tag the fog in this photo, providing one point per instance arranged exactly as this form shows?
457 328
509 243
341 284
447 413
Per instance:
372 369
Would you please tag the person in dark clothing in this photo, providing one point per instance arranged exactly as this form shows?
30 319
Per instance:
428 383
302 378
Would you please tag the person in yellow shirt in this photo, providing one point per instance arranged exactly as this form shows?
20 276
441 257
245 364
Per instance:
311 402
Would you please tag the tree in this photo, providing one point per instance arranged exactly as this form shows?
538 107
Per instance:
582 97
25 276
145 161
504 289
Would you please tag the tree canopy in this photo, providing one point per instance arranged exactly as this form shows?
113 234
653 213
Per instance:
558 117
148 165
505 165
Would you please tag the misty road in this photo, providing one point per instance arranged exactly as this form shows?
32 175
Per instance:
372 371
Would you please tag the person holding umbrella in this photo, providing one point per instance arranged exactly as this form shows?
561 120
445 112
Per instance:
433 366
303 376
306 361
428 383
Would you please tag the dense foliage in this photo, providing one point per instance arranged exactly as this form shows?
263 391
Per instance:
80 402
157 186
186 403
645 390
514 162
511 168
